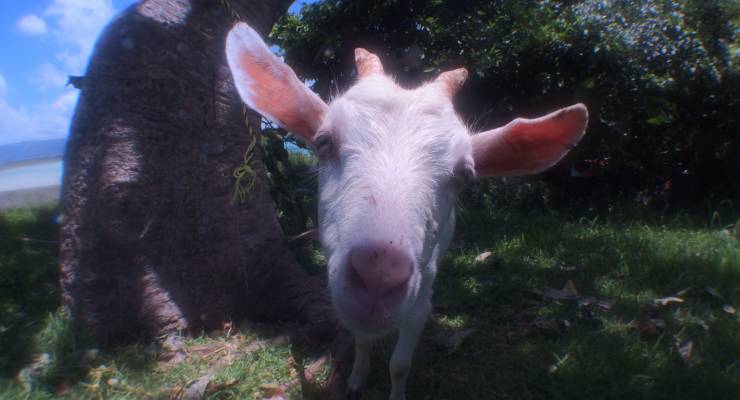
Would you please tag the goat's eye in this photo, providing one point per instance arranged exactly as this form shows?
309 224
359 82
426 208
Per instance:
324 145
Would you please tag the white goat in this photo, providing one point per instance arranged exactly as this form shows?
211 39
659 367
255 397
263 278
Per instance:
392 161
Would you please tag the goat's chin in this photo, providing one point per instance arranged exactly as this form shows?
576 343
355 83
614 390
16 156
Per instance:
372 320
363 323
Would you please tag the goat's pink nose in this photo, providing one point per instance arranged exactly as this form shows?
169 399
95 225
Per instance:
379 268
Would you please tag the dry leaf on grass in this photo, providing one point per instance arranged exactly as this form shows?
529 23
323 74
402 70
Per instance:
666 301
171 357
728 309
272 391
215 387
605 305
197 389
587 301
482 257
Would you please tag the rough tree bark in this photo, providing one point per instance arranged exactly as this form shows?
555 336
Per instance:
151 243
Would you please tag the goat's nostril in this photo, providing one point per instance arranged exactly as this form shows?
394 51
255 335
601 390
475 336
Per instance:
379 268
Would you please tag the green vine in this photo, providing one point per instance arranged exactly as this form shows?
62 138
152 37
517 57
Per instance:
244 176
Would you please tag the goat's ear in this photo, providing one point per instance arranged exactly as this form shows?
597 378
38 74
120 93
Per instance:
529 146
269 86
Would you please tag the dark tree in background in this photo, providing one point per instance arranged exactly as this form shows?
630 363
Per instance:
660 78
151 241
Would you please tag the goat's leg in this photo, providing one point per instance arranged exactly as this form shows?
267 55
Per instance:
408 337
361 366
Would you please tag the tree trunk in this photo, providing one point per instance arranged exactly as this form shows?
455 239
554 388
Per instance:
151 242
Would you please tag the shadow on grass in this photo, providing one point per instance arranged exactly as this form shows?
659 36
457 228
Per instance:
28 281
631 262
599 357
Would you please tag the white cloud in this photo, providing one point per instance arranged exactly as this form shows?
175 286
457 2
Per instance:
76 24
65 103
32 24
73 25
42 121
47 75
3 86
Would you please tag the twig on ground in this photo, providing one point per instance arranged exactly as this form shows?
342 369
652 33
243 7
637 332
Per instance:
309 234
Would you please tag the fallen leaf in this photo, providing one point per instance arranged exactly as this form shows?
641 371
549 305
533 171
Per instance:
728 309
587 301
172 357
197 389
215 387
559 363
685 348
606 304
666 301
482 257
227 327
272 391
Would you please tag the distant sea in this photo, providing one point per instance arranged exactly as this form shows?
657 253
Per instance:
31 174
19 173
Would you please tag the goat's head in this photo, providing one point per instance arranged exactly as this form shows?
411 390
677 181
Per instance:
392 161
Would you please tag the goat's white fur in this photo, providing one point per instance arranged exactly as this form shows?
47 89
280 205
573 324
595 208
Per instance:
391 180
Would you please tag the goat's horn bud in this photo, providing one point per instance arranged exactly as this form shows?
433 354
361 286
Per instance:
452 81
367 63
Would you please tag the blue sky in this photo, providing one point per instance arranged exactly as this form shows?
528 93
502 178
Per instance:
44 41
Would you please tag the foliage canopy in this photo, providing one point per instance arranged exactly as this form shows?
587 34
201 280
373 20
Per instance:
660 77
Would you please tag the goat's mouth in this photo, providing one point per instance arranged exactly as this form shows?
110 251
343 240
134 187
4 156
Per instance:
371 311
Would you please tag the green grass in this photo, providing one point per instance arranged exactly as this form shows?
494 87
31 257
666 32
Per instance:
598 355
28 279
522 345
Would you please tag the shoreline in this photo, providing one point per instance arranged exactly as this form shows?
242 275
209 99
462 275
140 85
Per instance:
22 198
25 163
